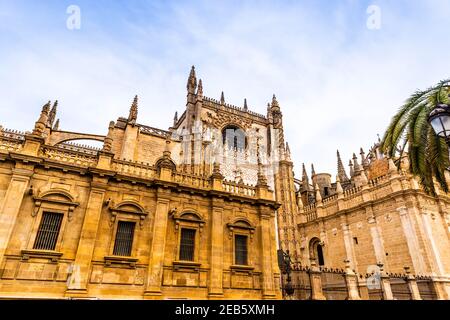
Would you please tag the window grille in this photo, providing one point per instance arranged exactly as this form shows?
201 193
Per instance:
124 238
240 249
48 231
187 244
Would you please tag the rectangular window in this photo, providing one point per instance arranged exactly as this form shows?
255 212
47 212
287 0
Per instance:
187 244
124 238
240 250
48 231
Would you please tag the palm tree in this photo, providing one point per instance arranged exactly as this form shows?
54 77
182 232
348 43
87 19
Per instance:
409 130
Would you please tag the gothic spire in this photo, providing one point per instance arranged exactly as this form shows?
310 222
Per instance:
245 104
222 98
192 81
52 114
340 169
132 117
200 89
313 172
56 126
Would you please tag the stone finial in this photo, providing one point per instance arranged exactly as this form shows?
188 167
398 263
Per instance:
275 102
132 117
216 174
356 166
392 168
364 161
339 189
52 114
299 201
175 118
340 169
200 89
56 126
350 164
305 179
288 152
313 171
40 125
192 81
245 105
222 98
107 144
318 195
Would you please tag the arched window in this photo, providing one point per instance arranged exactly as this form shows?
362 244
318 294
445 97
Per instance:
316 251
234 137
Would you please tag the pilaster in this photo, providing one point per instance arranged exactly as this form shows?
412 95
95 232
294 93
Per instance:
216 259
158 245
78 282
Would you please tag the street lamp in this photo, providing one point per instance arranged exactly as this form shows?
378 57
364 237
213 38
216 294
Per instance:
439 119
284 262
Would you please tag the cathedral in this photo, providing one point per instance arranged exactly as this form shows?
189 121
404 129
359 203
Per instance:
199 211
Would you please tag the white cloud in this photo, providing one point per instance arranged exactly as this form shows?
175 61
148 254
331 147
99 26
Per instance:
338 83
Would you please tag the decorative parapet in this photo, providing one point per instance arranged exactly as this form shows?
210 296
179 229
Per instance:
154 131
11 140
191 180
134 168
65 156
239 188
377 188
213 103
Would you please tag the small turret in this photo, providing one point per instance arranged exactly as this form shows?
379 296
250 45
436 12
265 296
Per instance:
40 125
52 114
192 81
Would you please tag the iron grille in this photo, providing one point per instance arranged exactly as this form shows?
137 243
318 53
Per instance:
187 244
124 238
241 249
48 231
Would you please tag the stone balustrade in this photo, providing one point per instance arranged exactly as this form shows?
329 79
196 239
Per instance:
133 168
191 180
239 188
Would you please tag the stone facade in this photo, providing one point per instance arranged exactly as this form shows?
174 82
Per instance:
221 171
379 215
158 182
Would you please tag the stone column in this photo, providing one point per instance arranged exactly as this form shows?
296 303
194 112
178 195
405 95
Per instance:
10 207
158 245
362 289
316 282
351 280
216 259
348 243
412 285
78 282
385 286
442 288
268 290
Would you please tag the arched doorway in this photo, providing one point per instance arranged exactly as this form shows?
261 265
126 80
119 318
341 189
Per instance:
316 251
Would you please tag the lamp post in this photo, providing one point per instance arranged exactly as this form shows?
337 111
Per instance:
439 119
284 262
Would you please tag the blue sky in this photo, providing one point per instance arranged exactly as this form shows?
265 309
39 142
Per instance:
337 81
